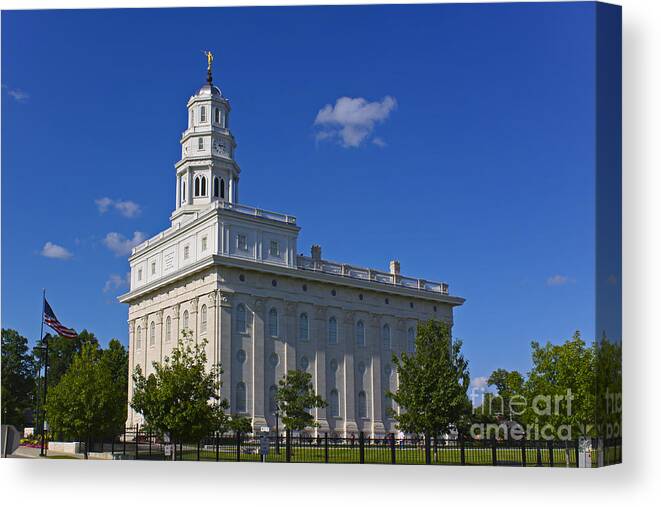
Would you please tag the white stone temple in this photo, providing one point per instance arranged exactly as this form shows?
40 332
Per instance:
232 275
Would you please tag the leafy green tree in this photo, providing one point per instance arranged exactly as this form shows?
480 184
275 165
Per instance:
86 403
181 398
240 423
608 387
560 387
508 384
18 372
433 384
295 398
61 351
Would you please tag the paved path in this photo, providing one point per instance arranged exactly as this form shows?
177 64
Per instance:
33 452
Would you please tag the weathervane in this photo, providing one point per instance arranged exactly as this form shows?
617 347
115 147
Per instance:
209 56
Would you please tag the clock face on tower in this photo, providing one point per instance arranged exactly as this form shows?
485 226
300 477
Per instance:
220 148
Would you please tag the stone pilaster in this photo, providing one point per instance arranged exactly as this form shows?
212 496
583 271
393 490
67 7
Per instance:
319 338
192 318
225 344
291 334
348 409
258 365
129 412
375 344
176 330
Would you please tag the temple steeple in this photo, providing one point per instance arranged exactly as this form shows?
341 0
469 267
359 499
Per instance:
207 171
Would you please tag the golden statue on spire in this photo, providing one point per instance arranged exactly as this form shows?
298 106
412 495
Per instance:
209 56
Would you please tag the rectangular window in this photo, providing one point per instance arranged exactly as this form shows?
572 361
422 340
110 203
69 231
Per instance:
204 243
153 268
274 249
242 242
139 275
203 114
200 143
186 252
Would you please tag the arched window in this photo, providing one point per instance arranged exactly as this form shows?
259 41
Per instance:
217 115
168 329
362 404
138 338
196 193
273 322
185 320
241 397
203 190
216 188
203 114
200 143
360 333
303 329
203 319
152 334
222 188
332 330
273 400
334 403
410 340
386 337
241 318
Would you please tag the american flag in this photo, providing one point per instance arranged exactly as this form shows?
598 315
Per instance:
51 321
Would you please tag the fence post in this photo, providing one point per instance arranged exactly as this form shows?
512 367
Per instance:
462 449
551 457
149 437
217 448
326 447
124 442
427 450
288 445
524 452
494 452
137 442
361 443
112 445
238 446
198 450
393 454
577 451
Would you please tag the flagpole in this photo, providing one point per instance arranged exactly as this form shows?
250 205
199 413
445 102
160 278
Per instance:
43 400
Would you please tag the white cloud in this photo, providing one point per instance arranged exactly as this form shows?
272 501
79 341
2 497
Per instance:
53 251
480 383
116 282
128 209
556 280
17 94
352 120
121 245
379 142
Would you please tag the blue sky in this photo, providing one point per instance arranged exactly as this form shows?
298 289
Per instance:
470 157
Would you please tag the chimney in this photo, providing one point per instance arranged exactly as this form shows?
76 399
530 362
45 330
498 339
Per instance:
394 267
316 252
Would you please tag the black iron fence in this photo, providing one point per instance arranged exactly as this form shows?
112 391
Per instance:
139 444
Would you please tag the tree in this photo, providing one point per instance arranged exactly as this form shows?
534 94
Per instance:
238 423
61 351
560 386
18 373
86 402
181 398
116 359
295 398
508 384
433 384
